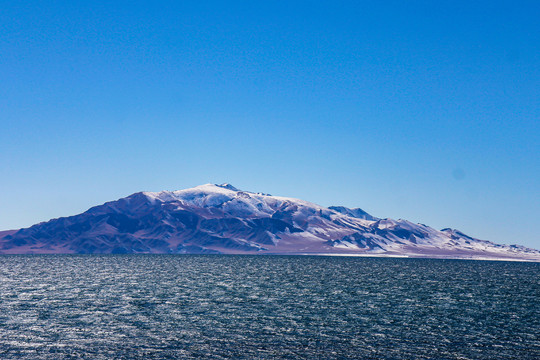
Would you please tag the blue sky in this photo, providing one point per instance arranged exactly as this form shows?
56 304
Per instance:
427 111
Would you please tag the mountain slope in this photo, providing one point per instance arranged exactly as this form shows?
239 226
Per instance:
222 219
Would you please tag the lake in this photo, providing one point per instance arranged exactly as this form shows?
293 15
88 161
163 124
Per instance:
266 307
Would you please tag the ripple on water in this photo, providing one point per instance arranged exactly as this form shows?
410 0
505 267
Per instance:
264 307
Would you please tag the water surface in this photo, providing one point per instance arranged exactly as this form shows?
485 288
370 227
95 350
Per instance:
266 307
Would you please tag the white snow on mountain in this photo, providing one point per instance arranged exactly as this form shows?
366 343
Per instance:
336 225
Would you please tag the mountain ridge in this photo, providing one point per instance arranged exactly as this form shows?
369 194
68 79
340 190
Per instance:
221 219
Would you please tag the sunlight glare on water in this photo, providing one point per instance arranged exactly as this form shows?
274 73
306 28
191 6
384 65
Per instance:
266 307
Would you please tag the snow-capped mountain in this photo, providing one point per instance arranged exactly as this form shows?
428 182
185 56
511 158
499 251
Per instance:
222 219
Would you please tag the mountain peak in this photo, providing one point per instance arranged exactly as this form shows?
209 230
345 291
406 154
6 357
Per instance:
355 212
227 186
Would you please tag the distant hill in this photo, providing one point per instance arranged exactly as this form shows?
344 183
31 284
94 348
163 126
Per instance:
220 219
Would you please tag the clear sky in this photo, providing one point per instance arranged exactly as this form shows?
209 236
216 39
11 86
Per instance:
422 110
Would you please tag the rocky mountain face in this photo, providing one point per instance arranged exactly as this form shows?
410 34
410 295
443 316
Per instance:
213 219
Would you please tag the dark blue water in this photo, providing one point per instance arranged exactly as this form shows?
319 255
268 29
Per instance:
249 307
